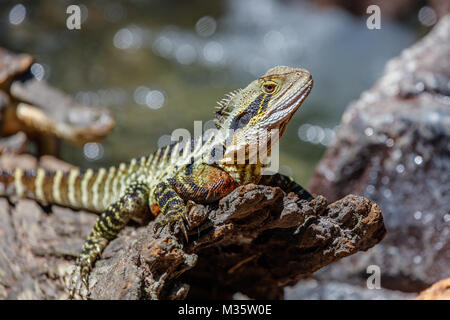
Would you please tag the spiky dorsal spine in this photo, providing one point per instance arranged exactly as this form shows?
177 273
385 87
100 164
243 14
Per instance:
223 108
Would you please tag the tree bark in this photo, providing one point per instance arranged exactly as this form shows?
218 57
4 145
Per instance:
255 241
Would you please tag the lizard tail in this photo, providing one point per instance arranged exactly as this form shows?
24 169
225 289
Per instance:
91 189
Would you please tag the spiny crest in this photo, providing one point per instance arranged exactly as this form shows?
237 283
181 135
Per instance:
223 108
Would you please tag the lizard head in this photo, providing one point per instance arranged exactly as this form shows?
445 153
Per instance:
268 103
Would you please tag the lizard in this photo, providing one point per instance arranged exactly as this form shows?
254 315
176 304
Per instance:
165 183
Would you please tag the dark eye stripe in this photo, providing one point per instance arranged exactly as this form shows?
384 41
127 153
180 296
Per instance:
265 103
244 118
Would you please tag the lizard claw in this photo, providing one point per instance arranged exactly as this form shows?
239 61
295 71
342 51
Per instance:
174 223
78 279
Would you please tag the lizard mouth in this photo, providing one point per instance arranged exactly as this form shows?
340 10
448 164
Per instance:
296 100
288 109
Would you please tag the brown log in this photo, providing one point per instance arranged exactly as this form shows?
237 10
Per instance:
255 241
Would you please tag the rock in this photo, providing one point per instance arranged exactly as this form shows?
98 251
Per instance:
254 241
48 162
312 289
11 65
258 254
12 161
16 143
227 253
44 113
394 148
438 291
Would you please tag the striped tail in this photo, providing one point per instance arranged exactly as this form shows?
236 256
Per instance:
91 190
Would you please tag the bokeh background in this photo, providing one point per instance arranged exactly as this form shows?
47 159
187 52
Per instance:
160 65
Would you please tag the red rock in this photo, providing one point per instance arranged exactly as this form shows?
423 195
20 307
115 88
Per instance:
438 291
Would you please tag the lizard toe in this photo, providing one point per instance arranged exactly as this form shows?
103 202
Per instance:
79 279
175 224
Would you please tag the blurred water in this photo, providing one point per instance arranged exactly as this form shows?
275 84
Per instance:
160 65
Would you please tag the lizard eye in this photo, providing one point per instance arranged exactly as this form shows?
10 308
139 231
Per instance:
269 87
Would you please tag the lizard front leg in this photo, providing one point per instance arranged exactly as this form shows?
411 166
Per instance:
171 206
200 183
108 225
287 184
